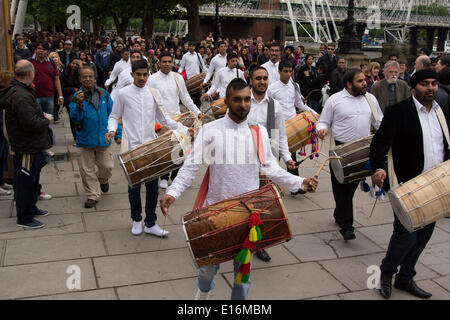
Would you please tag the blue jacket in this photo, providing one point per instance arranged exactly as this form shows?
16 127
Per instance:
93 123
103 59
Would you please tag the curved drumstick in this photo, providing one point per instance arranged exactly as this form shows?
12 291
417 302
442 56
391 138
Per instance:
321 167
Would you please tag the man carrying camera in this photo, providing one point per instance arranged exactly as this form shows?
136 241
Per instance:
89 110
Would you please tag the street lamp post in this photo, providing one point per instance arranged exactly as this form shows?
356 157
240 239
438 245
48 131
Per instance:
350 42
217 29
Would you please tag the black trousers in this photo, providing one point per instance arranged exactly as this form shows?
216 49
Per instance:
404 250
172 175
27 169
196 99
343 197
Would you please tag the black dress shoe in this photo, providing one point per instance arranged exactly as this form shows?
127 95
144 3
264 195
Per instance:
263 255
385 285
348 234
104 187
411 287
41 213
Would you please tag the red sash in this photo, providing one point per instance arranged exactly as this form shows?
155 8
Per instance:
257 139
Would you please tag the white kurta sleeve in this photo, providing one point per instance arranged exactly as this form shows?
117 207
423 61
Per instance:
326 117
280 125
274 172
116 114
163 117
376 124
215 84
186 98
187 172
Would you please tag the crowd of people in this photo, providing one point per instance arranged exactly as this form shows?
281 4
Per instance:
118 89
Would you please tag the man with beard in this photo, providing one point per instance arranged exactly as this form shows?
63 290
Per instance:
267 112
417 138
272 65
349 114
228 177
224 76
390 90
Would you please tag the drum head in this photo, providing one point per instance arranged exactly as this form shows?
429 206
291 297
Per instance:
400 211
336 165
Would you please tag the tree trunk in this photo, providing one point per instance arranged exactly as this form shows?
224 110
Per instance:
96 27
148 23
193 18
121 26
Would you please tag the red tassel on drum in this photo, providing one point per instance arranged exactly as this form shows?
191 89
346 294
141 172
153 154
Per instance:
157 126
254 220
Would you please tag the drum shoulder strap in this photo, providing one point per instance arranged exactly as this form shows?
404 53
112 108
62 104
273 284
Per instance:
393 182
443 123
373 108
157 98
270 117
178 83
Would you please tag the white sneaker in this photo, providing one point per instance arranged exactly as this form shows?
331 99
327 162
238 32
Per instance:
6 186
200 295
4 192
137 228
156 230
44 196
163 183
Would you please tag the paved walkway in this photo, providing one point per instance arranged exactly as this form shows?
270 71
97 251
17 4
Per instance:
114 264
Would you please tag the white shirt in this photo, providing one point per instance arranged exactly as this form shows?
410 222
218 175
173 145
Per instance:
170 93
118 68
272 69
289 98
258 114
139 112
125 79
217 63
433 137
191 62
221 80
349 117
228 142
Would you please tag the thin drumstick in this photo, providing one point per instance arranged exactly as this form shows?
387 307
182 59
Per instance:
321 167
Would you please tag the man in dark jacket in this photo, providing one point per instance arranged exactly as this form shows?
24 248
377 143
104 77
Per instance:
443 94
67 54
337 76
329 59
29 134
414 132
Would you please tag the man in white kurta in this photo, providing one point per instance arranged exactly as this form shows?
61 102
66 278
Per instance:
272 65
349 115
172 89
218 62
224 76
227 146
119 66
137 107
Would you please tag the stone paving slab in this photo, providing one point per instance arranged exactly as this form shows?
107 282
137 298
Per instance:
54 225
2 251
183 289
100 294
427 285
330 297
53 248
5 209
63 205
361 245
107 220
144 267
444 282
352 272
310 248
382 214
43 278
444 224
61 177
381 235
277 283
437 257
113 202
60 189
124 242
298 203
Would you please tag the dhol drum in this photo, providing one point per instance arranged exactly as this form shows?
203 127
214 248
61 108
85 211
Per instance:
423 199
219 108
155 157
215 233
297 130
355 156
193 84
188 119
